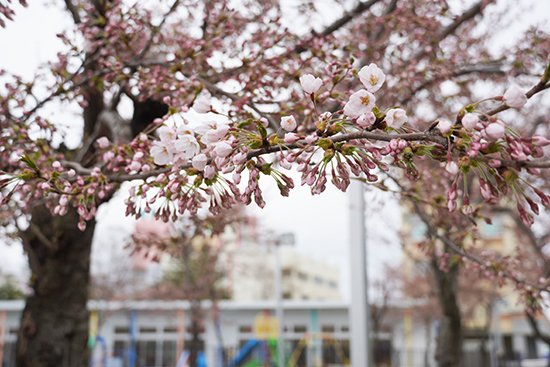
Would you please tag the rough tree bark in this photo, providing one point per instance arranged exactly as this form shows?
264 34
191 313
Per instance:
449 340
54 323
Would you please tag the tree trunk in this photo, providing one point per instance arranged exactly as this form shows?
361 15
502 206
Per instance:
54 323
448 351
195 344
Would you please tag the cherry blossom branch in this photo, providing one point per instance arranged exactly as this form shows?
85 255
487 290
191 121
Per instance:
215 90
155 30
433 233
73 10
539 87
484 68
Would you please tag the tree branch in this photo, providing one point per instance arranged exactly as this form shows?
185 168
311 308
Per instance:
73 10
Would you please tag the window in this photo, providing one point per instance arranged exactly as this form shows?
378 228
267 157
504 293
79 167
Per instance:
508 343
9 354
300 329
245 329
531 346
169 353
328 328
146 353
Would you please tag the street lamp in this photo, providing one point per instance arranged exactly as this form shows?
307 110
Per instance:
282 239
359 308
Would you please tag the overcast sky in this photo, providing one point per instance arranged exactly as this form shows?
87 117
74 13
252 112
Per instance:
319 223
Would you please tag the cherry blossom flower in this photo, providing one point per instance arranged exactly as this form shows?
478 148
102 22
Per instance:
212 131
199 161
291 138
515 97
366 120
185 147
396 117
222 149
444 126
209 172
470 121
288 123
540 141
103 142
495 131
161 154
359 103
452 168
166 133
372 77
310 84
202 104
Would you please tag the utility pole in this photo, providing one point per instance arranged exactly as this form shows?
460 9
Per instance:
359 308
283 239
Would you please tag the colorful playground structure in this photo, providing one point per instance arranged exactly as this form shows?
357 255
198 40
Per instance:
156 334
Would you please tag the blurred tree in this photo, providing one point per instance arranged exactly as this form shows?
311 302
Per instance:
9 289
164 57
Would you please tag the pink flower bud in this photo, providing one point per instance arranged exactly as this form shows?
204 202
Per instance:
209 172
452 168
444 126
102 142
291 138
470 121
288 123
515 97
495 131
199 161
540 141
366 120
236 178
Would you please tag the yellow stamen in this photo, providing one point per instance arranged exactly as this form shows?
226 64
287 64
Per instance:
373 80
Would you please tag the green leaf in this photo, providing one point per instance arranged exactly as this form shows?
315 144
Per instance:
262 130
325 143
29 162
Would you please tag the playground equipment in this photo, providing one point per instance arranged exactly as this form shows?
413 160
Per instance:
259 353
265 354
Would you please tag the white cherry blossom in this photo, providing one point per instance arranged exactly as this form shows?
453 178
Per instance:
359 103
310 84
186 147
199 161
495 131
202 103
366 120
288 123
166 133
161 153
396 117
222 149
372 77
515 97
444 126
451 168
470 121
